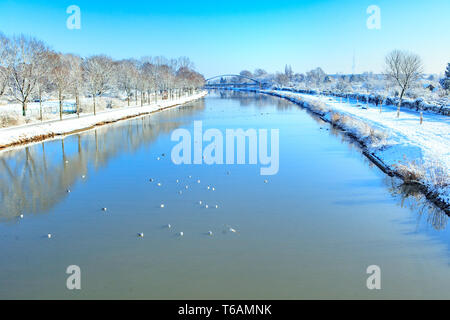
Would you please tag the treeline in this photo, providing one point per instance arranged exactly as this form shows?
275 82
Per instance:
30 69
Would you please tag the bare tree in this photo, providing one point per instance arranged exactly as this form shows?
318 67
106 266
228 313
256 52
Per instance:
76 77
60 76
445 81
185 62
342 86
189 79
260 73
125 74
25 58
141 85
149 73
315 77
282 79
288 72
404 69
43 83
4 68
136 79
246 74
97 71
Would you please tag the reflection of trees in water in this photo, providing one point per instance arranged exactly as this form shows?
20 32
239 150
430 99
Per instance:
411 197
408 195
35 178
253 99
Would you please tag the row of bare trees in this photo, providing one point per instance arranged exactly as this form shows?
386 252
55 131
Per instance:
403 70
29 68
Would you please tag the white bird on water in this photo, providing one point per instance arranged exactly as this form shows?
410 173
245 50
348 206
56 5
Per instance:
169 226
21 216
104 209
232 230
162 205
159 184
217 206
200 202
141 235
49 235
187 187
206 206
210 233
181 234
198 181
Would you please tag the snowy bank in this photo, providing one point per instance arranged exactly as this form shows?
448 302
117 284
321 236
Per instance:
418 104
13 136
417 153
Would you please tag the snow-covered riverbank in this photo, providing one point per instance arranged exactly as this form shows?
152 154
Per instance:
419 153
12 136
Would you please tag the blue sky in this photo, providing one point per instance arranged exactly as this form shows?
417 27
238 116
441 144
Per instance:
228 36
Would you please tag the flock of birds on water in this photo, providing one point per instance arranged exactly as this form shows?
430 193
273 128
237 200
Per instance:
159 184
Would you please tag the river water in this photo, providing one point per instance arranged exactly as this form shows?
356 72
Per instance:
309 231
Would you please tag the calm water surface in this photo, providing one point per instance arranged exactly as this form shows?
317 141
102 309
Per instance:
310 232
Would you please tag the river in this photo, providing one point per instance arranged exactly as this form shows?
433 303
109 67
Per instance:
310 231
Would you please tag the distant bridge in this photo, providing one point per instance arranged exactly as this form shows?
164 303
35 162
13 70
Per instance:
229 81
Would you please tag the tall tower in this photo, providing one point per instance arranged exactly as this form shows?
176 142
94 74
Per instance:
354 63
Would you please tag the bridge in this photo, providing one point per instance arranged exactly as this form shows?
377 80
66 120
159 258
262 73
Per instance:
226 81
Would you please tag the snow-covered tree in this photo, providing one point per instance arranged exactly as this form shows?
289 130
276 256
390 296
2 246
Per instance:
247 74
125 75
342 86
282 79
315 77
150 74
25 64
260 73
60 77
76 77
404 69
97 73
29 69
4 69
445 82
299 77
44 83
288 72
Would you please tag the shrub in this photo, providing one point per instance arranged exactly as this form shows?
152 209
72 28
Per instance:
411 171
7 120
433 172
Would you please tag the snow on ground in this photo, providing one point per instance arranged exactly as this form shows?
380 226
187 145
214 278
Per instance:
25 133
408 140
429 140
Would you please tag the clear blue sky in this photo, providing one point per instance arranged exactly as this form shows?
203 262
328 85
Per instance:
228 36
